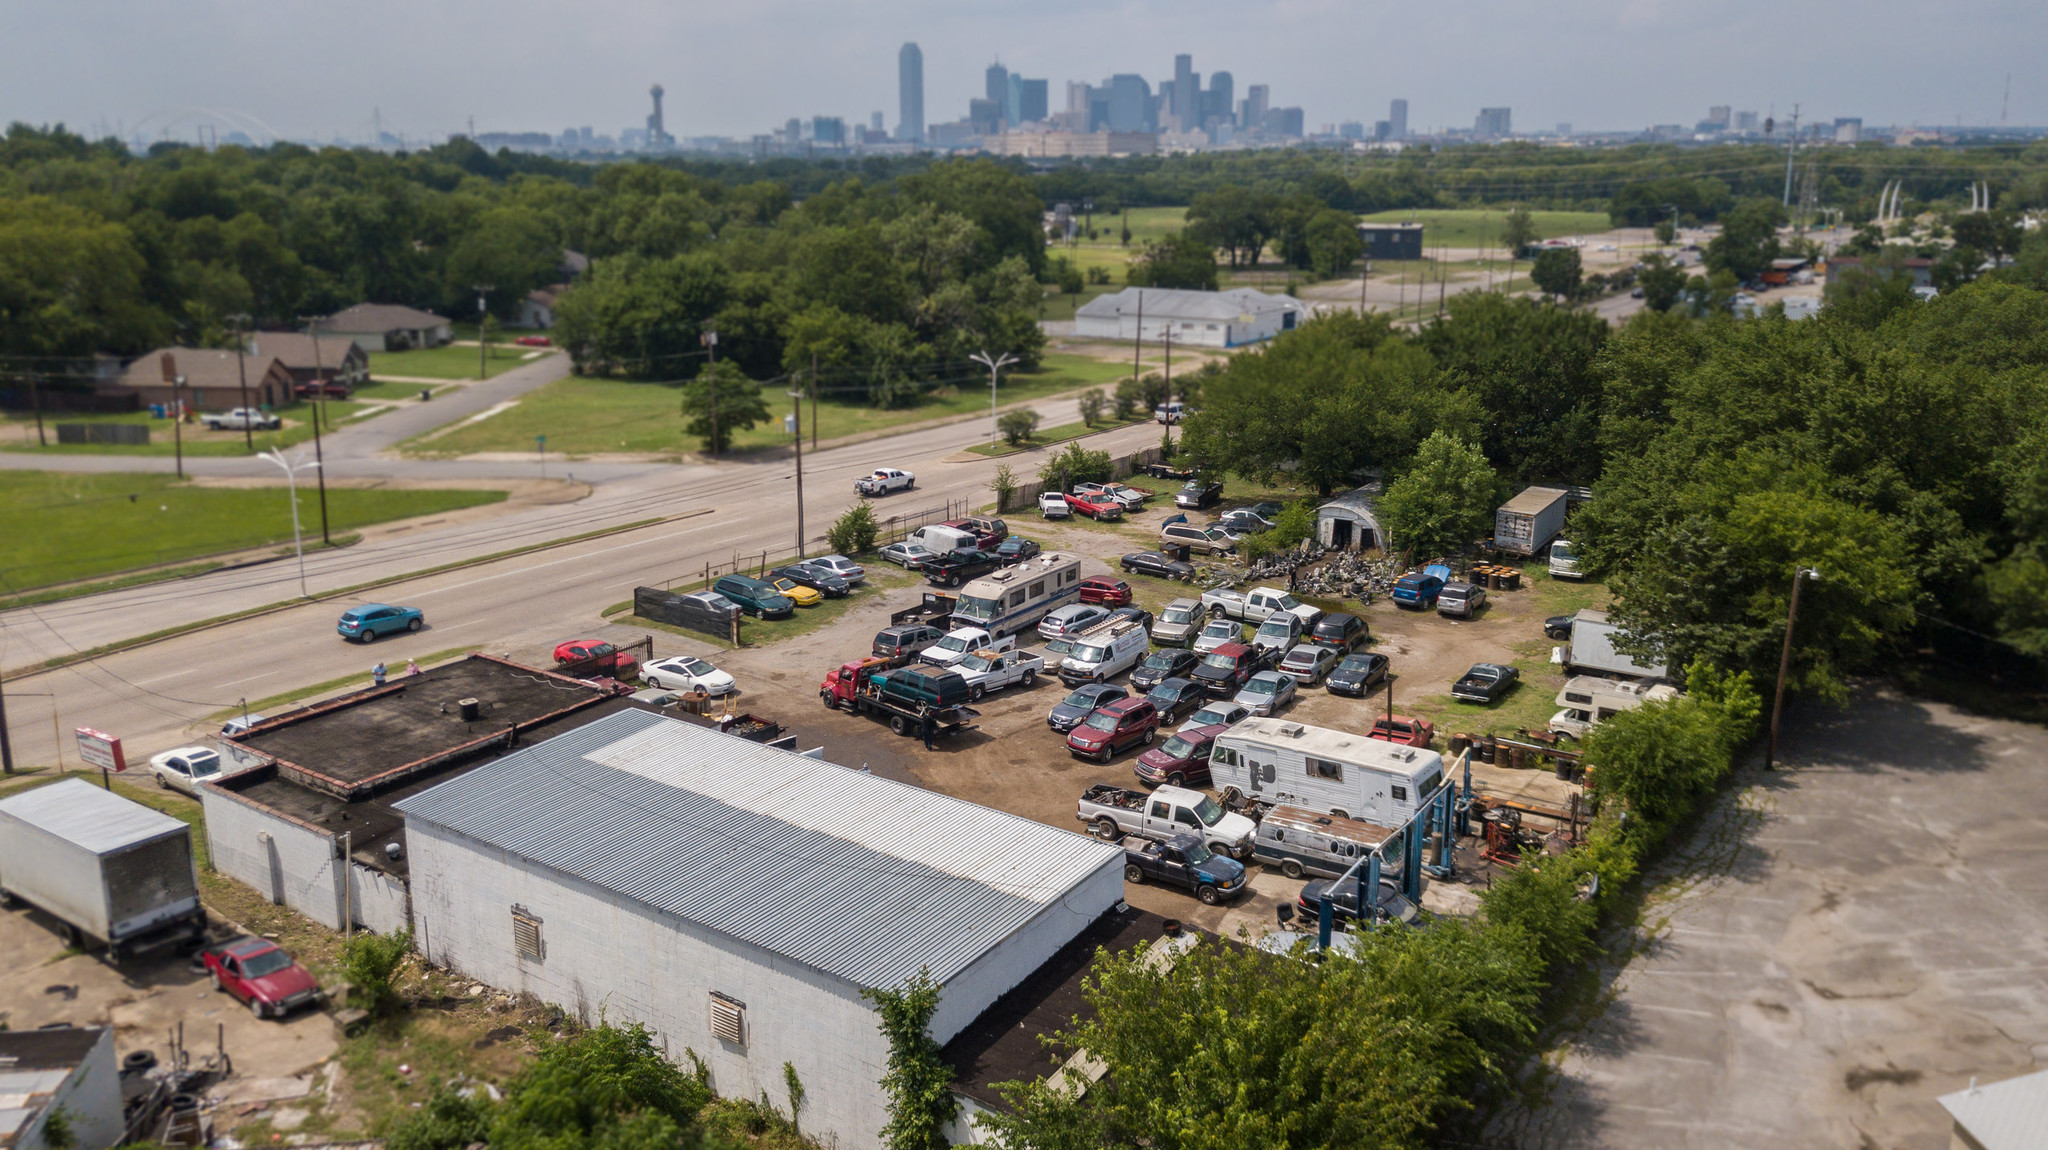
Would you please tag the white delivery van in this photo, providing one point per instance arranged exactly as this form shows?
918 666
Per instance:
1104 651
1589 700
944 540
1283 762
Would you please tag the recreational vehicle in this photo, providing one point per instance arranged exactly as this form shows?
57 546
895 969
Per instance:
1014 599
1283 762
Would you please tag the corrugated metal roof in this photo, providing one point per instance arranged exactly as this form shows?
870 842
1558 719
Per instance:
2008 1115
1359 503
93 818
1180 303
858 876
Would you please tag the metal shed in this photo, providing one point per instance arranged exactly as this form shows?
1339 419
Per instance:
1349 522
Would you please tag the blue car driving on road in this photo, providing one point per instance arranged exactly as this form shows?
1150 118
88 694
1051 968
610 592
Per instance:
370 620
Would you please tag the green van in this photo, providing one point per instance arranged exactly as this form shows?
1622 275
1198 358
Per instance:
755 597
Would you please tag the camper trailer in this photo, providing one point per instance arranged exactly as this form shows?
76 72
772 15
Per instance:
1589 700
1303 842
1283 762
1014 599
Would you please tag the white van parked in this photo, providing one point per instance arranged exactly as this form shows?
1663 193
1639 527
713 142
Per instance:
1589 700
944 540
1280 761
1015 598
1104 651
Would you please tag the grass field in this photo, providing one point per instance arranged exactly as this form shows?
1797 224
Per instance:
1460 228
448 362
1047 436
20 434
591 416
66 527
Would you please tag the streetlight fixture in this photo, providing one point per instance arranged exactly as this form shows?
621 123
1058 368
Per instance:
1799 577
291 468
994 366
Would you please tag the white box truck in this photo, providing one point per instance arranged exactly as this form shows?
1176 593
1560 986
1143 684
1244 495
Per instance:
1526 524
1592 649
1282 762
111 871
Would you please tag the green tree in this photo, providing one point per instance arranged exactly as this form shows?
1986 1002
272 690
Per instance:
1018 426
1090 406
511 249
720 402
1443 501
1666 232
854 533
1003 485
1075 464
1529 367
1178 261
1662 283
1128 398
71 283
1995 234
1748 241
370 962
1556 272
1333 243
1235 219
1517 231
918 1080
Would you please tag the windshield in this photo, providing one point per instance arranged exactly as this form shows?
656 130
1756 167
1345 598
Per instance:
1058 647
1209 813
1159 660
1089 654
1262 686
1178 748
1178 615
952 643
696 666
1101 721
1288 602
269 962
1561 550
1220 659
976 607
1277 627
1208 717
975 663
1220 629
1083 698
1355 663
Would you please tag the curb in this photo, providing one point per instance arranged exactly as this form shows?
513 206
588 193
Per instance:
126 645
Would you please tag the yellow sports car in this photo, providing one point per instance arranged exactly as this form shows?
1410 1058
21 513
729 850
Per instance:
797 593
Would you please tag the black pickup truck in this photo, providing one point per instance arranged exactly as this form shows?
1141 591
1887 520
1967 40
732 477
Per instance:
1485 683
957 567
1184 862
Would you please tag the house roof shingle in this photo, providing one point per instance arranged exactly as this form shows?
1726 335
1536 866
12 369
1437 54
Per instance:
295 351
381 317
202 367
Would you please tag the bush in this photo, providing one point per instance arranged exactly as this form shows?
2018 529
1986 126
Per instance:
1004 485
1127 399
1076 464
1091 406
1018 426
1296 522
854 533
1662 758
370 962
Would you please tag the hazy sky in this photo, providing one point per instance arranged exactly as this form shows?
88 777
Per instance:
316 69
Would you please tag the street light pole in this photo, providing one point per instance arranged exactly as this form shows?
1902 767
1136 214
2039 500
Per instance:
291 478
319 406
483 368
710 341
1785 663
994 367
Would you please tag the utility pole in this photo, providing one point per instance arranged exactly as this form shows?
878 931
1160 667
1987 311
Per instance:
796 426
995 366
1785 662
35 400
710 341
177 382
483 367
242 374
1138 344
1791 151
1169 362
1363 279
319 405
814 401
7 744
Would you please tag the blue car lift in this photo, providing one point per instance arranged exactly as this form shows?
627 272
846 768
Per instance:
1447 812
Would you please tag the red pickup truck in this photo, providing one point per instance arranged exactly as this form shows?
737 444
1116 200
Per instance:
262 974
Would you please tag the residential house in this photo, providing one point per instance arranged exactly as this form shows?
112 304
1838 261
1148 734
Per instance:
326 358
215 379
387 327
537 310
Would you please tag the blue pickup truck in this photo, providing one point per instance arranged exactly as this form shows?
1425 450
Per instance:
1184 862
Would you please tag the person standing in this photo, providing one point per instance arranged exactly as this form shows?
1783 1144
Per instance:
927 722
377 674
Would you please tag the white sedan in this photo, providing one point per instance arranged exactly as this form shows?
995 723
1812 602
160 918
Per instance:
184 768
688 673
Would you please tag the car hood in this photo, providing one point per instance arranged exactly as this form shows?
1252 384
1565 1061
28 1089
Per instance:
1204 673
1347 675
716 683
283 984
1234 828
1068 714
1089 736
1226 871
1158 759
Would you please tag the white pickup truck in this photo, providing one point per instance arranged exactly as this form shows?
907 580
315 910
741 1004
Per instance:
961 642
1163 812
236 419
1258 604
884 480
987 671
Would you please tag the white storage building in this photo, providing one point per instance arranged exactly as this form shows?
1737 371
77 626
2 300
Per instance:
736 899
1195 318
1349 521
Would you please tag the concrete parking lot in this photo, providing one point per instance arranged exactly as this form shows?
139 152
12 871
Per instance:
1842 941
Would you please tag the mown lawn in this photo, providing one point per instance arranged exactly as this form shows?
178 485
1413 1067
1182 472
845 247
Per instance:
62 527
1470 228
450 362
19 434
583 416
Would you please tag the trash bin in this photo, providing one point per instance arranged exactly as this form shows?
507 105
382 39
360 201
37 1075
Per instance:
426 393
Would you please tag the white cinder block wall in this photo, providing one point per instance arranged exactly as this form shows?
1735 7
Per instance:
611 958
971 991
381 902
295 865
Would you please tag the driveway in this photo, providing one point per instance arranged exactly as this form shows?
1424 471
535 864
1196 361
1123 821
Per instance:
1840 943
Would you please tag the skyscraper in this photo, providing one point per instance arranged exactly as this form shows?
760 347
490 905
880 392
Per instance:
1187 89
1032 100
910 94
1129 100
998 84
657 135
1013 100
1397 120
1494 123
1253 112
1220 100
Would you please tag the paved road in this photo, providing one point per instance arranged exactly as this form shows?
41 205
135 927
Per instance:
153 695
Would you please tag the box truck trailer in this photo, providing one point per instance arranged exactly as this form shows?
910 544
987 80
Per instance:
111 871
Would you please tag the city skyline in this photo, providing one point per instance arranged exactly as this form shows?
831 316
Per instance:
748 72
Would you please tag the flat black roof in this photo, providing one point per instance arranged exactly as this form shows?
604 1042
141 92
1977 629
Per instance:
58 1048
1003 1043
370 739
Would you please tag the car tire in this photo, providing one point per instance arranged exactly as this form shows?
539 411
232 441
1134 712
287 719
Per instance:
1291 868
1107 830
368 636
975 693
414 625
1208 895
256 1007
1030 679
162 783
830 701
1148 738
1176 779
1107 753
1133 875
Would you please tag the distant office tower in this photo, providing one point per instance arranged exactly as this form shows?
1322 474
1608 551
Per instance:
1351 130
1397 120
1493 123
1848 129
1187 88
1013 99
1285 122
1129 100
1564 127
1031 101
828 130
910 94
1098 106
985 116
657 136
1382 129
1253 111
1719 114
875 122
1745 122
998 85
792 131
1219 99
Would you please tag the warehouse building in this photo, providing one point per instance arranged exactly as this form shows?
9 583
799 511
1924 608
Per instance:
306 817
1194 318
736 899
